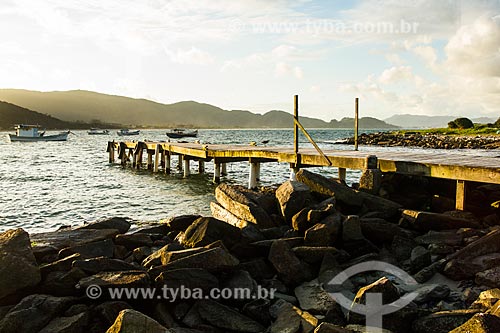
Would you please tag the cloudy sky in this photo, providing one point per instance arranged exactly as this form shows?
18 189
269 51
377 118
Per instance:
416 56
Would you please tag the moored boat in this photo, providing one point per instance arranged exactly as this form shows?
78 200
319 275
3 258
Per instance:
127 132
98 131
178 133
30 133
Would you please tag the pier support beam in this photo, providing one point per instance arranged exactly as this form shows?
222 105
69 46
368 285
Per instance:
187 170
293 172
216 173
201 166
167 163
150 160
460 197
157 158
111 149
342 173
223 171
180 162
252 178
257 173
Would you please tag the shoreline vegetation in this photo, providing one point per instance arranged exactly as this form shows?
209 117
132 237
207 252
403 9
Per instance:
293 239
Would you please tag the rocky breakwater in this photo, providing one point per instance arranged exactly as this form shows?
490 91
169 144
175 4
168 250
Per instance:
435 141
290 242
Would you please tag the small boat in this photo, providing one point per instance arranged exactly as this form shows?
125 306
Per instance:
127 132
97 131
30 133
178 133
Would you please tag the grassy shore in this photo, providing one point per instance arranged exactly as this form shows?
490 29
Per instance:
479 129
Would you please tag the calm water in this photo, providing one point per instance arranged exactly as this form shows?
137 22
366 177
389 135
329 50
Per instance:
48 185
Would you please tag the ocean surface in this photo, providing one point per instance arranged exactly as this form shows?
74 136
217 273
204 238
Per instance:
46 185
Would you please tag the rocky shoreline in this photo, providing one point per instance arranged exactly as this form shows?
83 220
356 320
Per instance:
435 141
290 241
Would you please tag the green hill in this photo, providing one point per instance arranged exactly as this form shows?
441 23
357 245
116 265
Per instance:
87 106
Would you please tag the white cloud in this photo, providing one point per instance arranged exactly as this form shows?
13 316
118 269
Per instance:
192 56
426 53
284 69
396 74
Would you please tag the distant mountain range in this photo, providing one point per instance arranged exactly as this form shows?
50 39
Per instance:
11 115
415 121
87 106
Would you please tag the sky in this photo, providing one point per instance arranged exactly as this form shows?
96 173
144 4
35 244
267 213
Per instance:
425 57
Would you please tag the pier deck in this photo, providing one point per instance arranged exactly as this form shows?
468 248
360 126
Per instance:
450 166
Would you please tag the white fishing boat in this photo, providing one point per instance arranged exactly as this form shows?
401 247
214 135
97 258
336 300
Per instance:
127 132
30 133
98 131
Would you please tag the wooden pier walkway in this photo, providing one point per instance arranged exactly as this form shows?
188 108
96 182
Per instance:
453 166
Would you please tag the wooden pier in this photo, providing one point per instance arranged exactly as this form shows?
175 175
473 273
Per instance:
450 166
454 166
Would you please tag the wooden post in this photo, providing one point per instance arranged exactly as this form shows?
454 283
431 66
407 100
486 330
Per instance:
179 164
167 162
356 123
111 148
150 160
138 163
216 172
223 171
157 158
293 171
252 178
460 197
201 166
257 172
295 127
342 173
187 166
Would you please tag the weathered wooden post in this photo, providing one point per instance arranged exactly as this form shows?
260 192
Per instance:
356 123
257 172
342 173
150 159
201 166
295 167
168 162
187 166
111 150
157 158
252 178
371 179
180 162
460 195
216 172
223 171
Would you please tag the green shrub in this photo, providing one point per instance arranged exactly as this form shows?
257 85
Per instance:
462 123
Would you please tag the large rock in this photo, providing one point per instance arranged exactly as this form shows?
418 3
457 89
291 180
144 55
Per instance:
132 241
213 260
103 264
425 221
34 312
317 235
180 223
226 318
131 321
313 298
223 214
18 266
207 230
189 278
291 270
125 279
467 268
60 239
489 243
63 264
351 229
292 197
489 278
347 196
379 231
442 322
331 328
119 223
242 206
62 283
291 319
486 300
102 248
73 324
480 323
382 286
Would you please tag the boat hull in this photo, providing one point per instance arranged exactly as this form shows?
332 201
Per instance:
174 135
128 134
57 137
